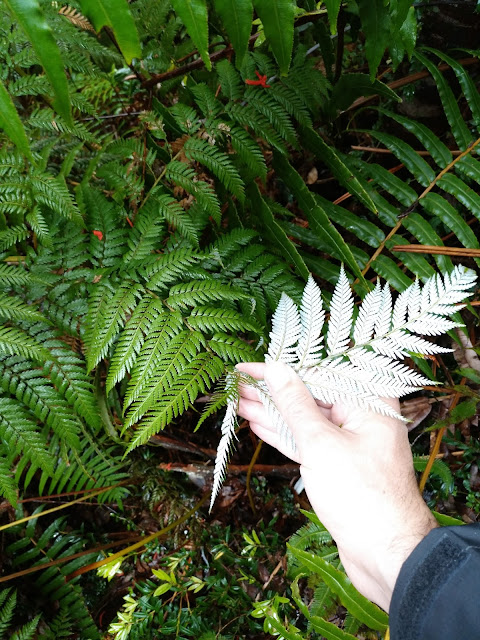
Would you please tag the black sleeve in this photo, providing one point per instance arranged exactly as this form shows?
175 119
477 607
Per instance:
437 593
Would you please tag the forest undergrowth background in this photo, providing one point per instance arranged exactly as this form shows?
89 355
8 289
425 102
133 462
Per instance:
167 170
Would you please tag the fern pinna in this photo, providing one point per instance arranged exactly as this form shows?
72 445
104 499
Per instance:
354 362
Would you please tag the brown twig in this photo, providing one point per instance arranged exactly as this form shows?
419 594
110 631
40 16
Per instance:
442 251
249 475
355 147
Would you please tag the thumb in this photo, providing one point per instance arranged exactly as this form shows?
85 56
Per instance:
295 403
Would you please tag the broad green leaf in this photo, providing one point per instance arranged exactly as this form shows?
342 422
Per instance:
340 584
447 521
194 15
439 152
318 220
467 196
375 18
12 125
329 630
398 11
273 229
116 15
387 269
408 32
464 78
278 17
355 85
342 173
333 7
438 206
454 116
237 18
425 234
422 171
362 228
30 16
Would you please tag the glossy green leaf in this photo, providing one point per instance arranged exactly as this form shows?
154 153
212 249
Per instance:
398 11
408 32
30 16
439 151
12 125
333 7
439 469
194 15
415 262
116 15
447 521
422 171
236 16
455 119
274 230
470 167
375 18
342 173
355 85
464 194
388 269
464 78
317 218
390 182
362 228
425 234
340 584
278 17
328 630
434 204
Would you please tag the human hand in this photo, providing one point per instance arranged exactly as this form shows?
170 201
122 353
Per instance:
358 473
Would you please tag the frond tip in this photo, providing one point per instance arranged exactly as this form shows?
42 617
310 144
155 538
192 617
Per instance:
362 360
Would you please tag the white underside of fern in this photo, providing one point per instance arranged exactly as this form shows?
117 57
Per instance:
356 363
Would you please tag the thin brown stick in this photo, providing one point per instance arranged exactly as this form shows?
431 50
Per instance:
356 147
442 251
249 475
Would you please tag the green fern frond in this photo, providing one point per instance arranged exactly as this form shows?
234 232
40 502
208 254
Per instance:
8 486
143 238
162 331
14 341
132 339
194 379
175 214
47 120
183 175
186 117
109 320
248 151
7 609
230 81
210 319
174 358
218 163
201 291
247 116
11 308
20 378
292 103
171 267
39 225
11 237
231 349
264 103
206 100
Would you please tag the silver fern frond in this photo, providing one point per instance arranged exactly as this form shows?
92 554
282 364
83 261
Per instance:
362 360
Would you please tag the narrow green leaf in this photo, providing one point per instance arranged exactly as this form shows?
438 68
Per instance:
362 228
340 584
194 15
30 16
333 7
425 234
355 85
116 15
439 152
237 18
273 229
422 171
459 129
342 173
438 206
398 12
12 125
278 18
318 220
375 18
409 30
464 194
329 630
417 264
390 182
387 269
468 86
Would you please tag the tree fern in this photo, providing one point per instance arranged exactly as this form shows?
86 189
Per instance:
334 369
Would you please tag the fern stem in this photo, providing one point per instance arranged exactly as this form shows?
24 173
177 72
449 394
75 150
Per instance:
157 180
413 206
249 475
